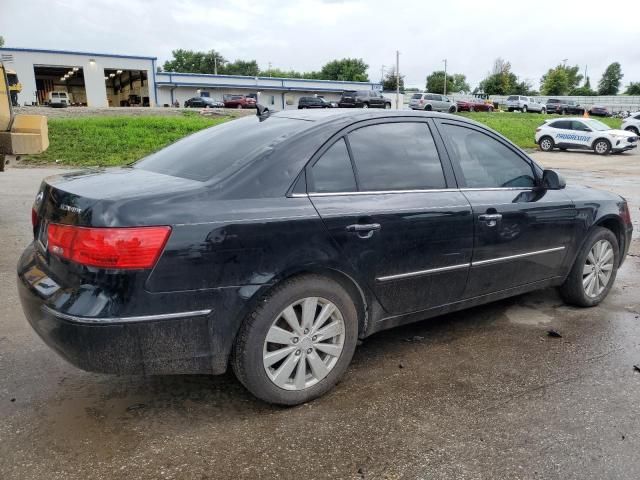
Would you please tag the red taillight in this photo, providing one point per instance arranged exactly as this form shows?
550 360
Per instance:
118 248
34 218
625 214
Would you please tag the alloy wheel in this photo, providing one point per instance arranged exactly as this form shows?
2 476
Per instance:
601 147
546 144
303 343
597 269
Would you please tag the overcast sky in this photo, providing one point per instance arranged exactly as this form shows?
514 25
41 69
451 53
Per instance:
305 34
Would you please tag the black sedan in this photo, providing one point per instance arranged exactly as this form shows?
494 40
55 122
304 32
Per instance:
297 235
203 102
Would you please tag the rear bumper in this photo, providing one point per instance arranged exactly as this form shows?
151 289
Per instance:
136 345
184 340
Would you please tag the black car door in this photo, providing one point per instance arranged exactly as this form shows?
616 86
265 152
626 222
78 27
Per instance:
391 207
522 232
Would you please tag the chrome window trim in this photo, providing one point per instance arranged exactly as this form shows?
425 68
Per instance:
387 192
422 272
112 320
491 261
515 257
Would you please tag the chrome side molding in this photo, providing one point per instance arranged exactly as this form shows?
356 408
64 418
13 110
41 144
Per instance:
112 320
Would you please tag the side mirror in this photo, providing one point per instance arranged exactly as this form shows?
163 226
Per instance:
552 180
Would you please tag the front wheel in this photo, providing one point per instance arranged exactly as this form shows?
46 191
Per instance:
546 144
387 106
365 105
453 109
239 106
298 342
602 147
594 270
428 108
525 109
543 111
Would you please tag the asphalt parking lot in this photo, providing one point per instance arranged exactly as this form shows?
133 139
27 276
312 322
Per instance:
480 394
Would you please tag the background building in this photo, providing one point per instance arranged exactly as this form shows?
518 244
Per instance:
112 80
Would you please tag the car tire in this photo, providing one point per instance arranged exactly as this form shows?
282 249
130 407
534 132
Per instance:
563 112
251 349
239 106
510 109
453 109
472 108
428 108
602 146
365 105
525 109
543 111
387 106
490 109
546 143
593 273
633 130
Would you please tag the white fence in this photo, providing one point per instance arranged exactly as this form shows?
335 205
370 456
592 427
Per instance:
615 103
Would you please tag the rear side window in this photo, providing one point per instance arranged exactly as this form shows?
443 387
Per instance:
396 156
562 124
333 172
485 162
416 96
219 151
512 98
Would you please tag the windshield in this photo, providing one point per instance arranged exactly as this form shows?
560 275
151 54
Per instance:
217 152
596 125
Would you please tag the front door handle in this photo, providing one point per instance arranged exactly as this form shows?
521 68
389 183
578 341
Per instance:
364 230
491 219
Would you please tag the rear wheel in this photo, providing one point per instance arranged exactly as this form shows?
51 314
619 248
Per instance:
546 144
428 108
298 342
365 105
472 108
490 109
594 270
602 147
453 109
543 111
387 106
525 109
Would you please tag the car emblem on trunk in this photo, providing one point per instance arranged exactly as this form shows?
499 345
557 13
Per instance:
69 208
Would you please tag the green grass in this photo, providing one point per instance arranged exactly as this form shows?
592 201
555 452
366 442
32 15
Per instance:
520 128
113 141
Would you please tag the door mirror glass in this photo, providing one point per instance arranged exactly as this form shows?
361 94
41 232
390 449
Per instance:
552 180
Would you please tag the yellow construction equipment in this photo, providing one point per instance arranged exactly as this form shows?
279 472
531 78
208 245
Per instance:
15 87
19 134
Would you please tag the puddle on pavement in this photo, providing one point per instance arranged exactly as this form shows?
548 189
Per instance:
527 316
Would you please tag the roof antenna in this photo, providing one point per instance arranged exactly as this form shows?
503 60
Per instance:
262 112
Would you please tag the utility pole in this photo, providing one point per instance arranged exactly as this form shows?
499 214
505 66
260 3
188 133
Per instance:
382 73
215 65
269 68
397 80
445 76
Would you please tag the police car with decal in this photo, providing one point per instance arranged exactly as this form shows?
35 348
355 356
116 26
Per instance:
584 133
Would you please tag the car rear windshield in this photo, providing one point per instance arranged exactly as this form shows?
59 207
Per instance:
416 96
217 152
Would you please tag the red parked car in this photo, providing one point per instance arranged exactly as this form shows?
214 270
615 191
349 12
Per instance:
474 106
239 101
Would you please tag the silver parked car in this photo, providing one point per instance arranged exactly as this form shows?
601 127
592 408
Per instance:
432 101
525 104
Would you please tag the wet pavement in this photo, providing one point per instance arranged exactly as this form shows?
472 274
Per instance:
484 393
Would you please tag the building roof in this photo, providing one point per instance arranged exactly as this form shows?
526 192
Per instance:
70 52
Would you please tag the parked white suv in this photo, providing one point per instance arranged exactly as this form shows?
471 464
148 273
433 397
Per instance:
584 133
632 123
525 104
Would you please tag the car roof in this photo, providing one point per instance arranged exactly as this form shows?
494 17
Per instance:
357 114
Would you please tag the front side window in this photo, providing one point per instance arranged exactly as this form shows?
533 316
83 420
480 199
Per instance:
333 172
579 126
485 162
396 156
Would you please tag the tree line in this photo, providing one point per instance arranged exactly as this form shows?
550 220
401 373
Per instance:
189 61
500 80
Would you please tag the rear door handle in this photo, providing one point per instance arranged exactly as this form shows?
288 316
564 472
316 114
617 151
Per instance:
364 230
491 219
